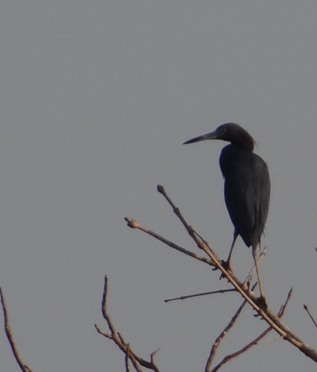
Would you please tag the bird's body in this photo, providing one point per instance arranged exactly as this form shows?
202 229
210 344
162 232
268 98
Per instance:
247 192
247 184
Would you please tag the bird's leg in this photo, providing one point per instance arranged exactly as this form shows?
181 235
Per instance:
235 235
254 254
226 264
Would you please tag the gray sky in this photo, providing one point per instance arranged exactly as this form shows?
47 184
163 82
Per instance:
96 100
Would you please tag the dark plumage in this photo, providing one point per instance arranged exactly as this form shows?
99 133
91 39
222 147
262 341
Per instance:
247 184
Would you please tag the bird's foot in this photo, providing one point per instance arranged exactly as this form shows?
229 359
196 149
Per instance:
226 265
261 302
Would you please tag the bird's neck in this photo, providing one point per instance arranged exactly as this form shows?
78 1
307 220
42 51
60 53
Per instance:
246 143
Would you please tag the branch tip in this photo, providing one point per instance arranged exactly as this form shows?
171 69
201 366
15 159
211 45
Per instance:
131 223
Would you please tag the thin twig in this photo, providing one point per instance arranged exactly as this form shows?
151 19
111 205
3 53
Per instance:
8 332
262 255
104 307
200 294
283 307
135 225
269 340
309 313
126 359
153 355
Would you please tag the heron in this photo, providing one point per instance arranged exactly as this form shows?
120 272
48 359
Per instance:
247 186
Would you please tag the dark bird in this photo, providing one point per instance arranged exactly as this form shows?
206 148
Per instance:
247 186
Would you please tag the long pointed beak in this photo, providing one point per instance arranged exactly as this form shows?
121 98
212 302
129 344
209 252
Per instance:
208 136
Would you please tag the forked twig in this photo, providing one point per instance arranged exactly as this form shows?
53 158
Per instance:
223 334
118 339
252 343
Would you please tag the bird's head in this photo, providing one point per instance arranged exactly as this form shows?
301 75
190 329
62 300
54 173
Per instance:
230 132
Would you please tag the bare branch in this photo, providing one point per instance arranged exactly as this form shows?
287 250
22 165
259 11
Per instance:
258 304
8 332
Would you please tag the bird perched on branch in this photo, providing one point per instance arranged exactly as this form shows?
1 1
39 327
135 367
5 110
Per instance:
247 186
